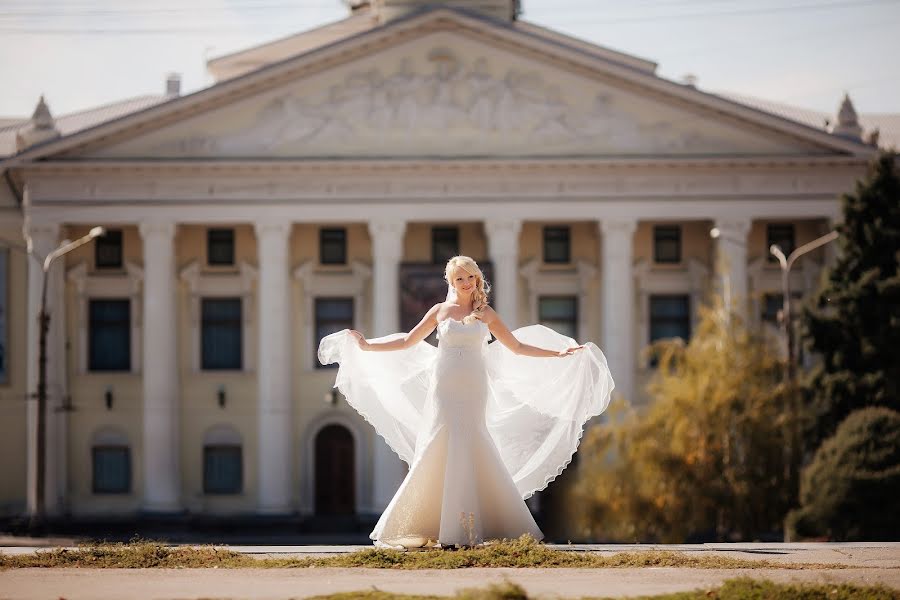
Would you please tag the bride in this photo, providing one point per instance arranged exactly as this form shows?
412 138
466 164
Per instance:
482 427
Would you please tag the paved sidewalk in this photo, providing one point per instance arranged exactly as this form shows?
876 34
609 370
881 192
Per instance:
875 562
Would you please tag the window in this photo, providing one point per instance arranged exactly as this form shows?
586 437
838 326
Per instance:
783 236
670 317
444 244
108 250
559 313
109 338
333 246
667 244
332 315
222 469
557 245
221 338
220 247
772 303
111 470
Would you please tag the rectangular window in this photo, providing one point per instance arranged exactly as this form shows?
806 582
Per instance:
772 304
221 333
223 471
108 250
111 470
559 313
332 315
220 247
333 246
667 244
670 317
781 235
109 337
557 244
444 244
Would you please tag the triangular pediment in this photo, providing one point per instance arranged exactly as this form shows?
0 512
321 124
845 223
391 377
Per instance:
447 85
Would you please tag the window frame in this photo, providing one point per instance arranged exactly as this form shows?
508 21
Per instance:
575 319
650 316
341 233
565 233
128 470
443 229
770 239
219 447
317 301
104 242
659 236
239 326
91 366
211 232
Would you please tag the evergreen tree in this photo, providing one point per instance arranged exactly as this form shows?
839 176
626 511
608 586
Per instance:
853 323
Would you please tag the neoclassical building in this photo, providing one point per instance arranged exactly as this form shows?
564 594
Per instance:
321 183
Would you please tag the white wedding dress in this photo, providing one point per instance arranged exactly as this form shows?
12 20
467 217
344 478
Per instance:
481 428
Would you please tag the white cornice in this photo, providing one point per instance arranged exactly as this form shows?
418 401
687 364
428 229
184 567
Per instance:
542 164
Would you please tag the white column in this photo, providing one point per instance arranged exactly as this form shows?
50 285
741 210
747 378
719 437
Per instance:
161 443
503 248
731 264
617 281
274 372
387 251
45 239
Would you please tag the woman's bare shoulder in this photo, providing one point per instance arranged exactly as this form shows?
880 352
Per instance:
489 315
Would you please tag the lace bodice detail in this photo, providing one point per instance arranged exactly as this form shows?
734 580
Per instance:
457 336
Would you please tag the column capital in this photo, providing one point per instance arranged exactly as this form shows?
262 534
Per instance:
279 229
503 237
618 225
381 228
43 236
734 228
157 228
500 226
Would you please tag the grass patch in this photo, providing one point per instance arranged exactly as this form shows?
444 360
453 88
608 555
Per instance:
524 552
733 589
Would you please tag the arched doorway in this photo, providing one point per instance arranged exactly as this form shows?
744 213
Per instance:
335 473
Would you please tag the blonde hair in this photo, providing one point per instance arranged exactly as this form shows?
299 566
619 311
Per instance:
482 287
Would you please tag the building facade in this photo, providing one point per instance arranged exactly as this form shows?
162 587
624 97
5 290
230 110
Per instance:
321 183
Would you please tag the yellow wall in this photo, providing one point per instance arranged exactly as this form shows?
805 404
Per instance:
199 408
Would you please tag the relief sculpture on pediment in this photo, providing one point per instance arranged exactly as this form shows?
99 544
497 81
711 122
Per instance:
456 102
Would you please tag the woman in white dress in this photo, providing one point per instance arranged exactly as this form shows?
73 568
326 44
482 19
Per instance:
482 427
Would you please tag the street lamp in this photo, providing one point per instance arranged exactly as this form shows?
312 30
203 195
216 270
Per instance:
786 322
37 515
786 263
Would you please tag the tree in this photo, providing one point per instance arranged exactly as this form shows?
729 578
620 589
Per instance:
707 457
853 322
849 491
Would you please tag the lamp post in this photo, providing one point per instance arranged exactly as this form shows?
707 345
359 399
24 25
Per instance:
793 452
786 263
36 517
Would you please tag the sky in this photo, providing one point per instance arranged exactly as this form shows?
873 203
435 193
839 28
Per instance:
85 53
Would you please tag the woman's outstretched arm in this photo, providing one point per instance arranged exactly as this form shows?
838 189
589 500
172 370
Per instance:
418 333
506 337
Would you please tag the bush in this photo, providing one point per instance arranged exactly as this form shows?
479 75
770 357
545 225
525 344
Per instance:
850 490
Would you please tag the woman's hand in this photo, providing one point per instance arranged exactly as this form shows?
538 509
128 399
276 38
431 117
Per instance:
360 339
569 351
